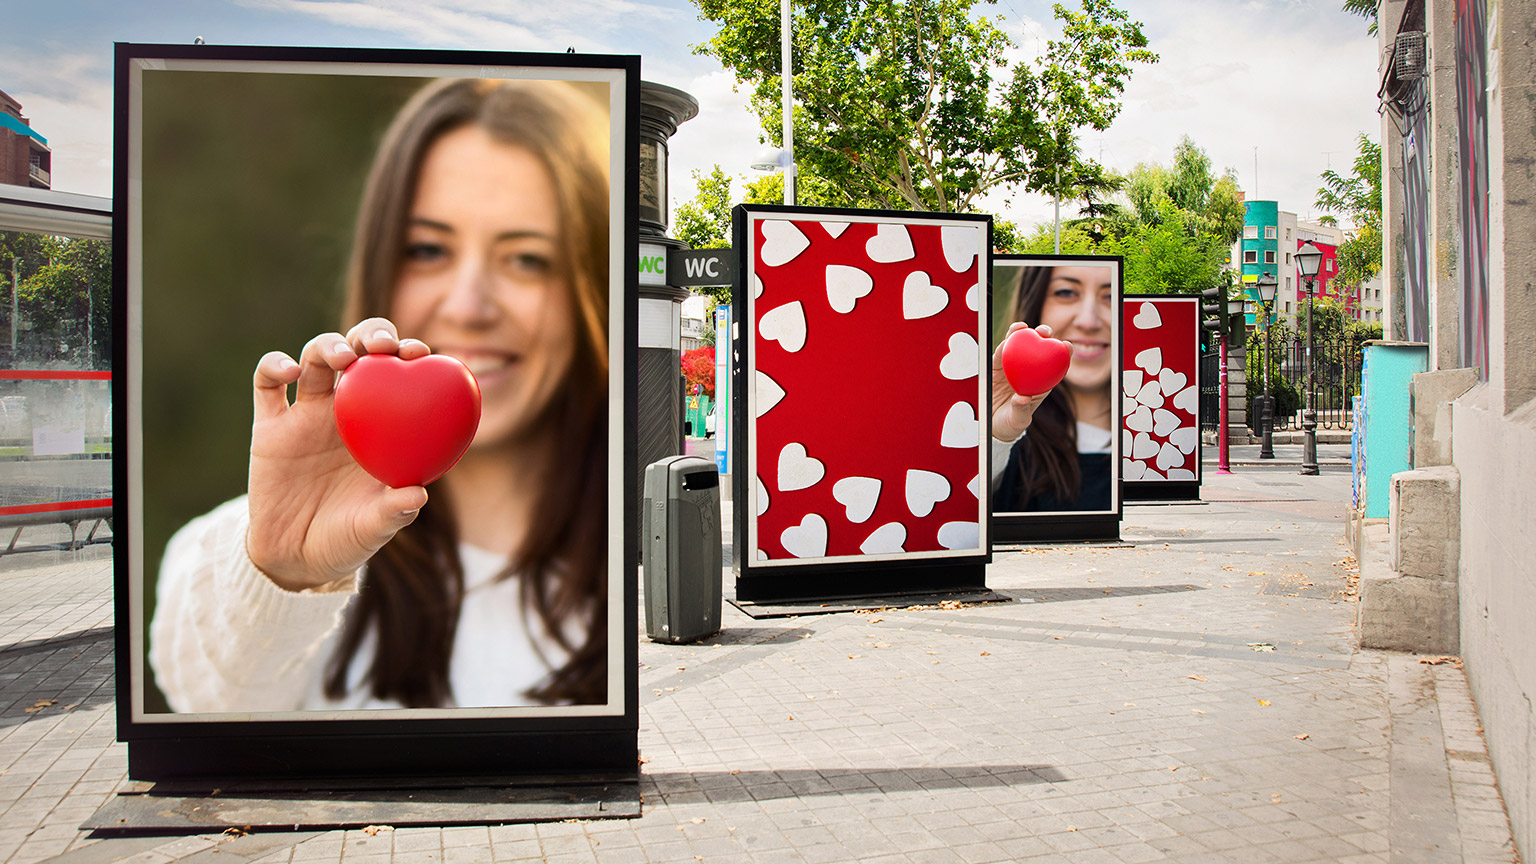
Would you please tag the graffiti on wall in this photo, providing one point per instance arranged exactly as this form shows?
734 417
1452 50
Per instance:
1472 135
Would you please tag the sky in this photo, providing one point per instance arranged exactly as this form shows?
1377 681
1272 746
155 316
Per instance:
1275 90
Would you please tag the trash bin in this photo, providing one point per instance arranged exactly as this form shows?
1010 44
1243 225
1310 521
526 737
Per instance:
681 550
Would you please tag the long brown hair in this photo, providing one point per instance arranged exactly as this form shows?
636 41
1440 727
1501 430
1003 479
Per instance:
415 583
1050 448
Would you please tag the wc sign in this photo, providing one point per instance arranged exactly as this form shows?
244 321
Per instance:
685 268
699 268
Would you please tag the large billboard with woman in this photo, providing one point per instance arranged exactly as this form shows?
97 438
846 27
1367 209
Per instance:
1056 455
376 334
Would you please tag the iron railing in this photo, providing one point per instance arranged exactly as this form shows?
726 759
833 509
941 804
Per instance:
1337 380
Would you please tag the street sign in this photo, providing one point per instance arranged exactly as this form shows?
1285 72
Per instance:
699 268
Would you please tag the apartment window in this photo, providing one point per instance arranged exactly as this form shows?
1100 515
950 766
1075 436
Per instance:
1250 232
1269 256
1287 259
1269 232
1287 305
1250 256
1287 284
1329 265
1287 233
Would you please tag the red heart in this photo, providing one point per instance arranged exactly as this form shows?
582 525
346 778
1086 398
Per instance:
1034 363
407 422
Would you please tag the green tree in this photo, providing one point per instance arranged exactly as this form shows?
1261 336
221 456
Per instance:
1357 196
1365 9
63 299
913 105
705 221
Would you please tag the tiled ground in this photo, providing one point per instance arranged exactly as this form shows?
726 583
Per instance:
1190 695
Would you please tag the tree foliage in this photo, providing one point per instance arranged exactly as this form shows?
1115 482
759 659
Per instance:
699 370
63 300
913 104
1365 9
1357 196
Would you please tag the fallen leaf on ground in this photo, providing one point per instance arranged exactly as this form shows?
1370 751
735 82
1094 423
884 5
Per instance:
1436 661
371 830
1264 702
986 653
697 820
1265 647
40 705
237 832
1198 678
1302 737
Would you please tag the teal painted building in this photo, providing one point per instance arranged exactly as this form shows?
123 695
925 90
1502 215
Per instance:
1259 249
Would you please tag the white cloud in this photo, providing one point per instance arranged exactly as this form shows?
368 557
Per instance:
67 99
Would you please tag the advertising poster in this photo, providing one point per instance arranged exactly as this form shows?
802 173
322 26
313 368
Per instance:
863 450
1059 478
443 235
1160 397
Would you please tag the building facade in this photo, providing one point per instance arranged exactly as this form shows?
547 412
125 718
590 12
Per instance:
1458 90
25 159
1268 244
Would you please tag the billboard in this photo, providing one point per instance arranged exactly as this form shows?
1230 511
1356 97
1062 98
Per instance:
282 214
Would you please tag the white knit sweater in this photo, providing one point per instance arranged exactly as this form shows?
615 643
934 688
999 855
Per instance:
225 638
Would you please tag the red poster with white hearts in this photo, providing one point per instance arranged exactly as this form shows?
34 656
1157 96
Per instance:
865 395
1160 410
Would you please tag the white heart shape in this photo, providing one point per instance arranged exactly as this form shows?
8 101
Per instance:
925 489
973 298
808 539
1151 394
960 244
1132 469
890 244
1163 422
1172 381
1151 360
960 535
835 229
920 298
1125 440
1185 439
845 285
767 393
963 360
782 242
1188 399
858 495
798 469
1151 474
1131 380
1147 318
1128 404
784 325
960 428
1139 420
886 538
975 487
1180 474
762 497
761 555
757 287
1143 447
1170 457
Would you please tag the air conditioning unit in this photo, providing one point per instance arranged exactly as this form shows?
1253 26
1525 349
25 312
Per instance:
1409 56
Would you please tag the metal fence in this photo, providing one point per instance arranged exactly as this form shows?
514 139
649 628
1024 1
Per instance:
1337 380
1210 390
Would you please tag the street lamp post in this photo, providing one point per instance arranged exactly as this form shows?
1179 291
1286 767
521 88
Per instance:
1308 258
1266 286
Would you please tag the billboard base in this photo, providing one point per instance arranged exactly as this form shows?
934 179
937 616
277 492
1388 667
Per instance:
180 807
760 609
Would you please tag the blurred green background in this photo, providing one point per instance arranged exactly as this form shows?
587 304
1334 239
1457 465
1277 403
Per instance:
251 183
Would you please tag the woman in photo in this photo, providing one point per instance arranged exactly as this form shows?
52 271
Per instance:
1052 451
483 235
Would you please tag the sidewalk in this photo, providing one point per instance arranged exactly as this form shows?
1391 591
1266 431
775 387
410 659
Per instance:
1190 695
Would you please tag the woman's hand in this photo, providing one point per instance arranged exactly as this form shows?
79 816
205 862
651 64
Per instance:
1011 412
316 516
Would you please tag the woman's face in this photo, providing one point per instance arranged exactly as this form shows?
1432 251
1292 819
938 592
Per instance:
1078 306
482 277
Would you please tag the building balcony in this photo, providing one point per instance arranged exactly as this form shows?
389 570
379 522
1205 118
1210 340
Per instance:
37 175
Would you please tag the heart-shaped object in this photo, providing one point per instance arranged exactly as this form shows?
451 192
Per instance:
406 422
1034 363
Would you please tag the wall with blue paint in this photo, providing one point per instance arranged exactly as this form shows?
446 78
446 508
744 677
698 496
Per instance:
1388 369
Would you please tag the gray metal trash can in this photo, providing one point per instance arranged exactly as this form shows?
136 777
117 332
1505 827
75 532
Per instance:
681 550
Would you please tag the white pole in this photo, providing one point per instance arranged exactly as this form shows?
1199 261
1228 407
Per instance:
1056 199
785 32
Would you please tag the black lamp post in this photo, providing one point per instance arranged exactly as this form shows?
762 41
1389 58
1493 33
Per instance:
1266 286
1308 259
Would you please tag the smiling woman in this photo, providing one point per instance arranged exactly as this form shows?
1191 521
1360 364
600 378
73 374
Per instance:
483 235
1054 451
